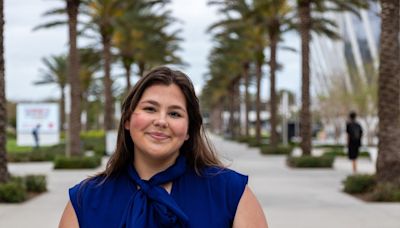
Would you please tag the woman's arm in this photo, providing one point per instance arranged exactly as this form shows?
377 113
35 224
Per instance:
249 212
69 219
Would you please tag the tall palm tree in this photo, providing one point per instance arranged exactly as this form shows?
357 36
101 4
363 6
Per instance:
310 21
90 63
388 164
141 38
104 14
254 33
55 72
275 15
74 126
4 175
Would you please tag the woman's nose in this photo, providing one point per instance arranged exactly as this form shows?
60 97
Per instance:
161 121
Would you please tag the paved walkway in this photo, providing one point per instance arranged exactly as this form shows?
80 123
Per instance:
290 197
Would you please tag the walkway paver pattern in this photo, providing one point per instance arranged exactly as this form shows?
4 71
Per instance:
301 198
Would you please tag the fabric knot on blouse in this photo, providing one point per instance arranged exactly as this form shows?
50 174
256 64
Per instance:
151 205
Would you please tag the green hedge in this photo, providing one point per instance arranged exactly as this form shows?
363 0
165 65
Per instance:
62 162
386 192
17 188
38 154
310 161
98 145
359 183
36 183
367 187
280 149
12 192
330 146
341 153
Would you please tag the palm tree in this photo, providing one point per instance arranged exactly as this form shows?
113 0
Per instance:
104 14
90 63
74 126
56 72
140 37
275 15
388 95
254 33
308 22
4 175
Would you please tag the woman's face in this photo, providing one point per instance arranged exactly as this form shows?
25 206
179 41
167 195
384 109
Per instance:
159 124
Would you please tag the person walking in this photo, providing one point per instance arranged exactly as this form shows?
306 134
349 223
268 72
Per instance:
35 134
354 135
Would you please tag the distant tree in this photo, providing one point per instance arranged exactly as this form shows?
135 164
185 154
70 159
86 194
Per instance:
55 72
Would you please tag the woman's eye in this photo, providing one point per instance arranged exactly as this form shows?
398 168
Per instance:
149 109
175 114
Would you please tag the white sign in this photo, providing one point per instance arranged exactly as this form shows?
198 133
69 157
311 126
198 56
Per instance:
42 116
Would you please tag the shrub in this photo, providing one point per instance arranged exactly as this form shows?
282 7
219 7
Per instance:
12 192
37 154
338 152
62 162
386 192
93 133
331 146
281 149
244 139
310 161
95 141
359 183
36 183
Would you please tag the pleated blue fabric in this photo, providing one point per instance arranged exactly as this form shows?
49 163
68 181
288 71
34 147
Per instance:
152 206
125 200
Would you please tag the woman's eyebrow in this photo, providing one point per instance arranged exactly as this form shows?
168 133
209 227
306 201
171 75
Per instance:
177 107
155 103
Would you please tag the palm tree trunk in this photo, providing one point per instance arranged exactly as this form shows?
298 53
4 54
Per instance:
231 126
388 163
246 97
273 103
62 108
258 101
4 175
74 128
216 118
141 66
238 123
305 114
108 109
127 67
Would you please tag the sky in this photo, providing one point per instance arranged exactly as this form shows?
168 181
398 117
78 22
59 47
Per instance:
24 48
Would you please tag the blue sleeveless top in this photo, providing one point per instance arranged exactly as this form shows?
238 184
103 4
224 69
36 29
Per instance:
209 200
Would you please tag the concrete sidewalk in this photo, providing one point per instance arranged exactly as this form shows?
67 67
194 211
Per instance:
290 197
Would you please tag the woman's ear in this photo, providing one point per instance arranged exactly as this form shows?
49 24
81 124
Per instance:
187 137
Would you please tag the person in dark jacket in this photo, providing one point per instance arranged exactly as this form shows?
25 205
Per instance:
354 135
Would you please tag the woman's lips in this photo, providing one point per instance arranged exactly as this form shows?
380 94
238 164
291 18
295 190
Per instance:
158 135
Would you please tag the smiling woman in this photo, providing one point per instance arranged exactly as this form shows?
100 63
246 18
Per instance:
163 172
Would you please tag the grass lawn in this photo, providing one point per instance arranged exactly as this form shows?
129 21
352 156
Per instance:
13 148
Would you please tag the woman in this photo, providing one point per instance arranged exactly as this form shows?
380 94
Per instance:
163 172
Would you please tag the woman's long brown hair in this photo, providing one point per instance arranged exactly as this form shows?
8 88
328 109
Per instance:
197 149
